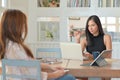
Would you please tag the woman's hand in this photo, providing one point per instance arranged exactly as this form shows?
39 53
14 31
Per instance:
57 68
88 56
56 74
77 36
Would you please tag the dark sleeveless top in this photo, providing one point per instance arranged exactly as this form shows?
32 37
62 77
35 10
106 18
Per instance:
98 44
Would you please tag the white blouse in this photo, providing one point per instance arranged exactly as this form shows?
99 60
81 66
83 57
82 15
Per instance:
16 51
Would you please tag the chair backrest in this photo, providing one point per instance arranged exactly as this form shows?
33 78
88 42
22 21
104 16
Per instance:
19 64
48 53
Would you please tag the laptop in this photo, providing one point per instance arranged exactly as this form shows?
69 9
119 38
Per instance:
99 61
71 51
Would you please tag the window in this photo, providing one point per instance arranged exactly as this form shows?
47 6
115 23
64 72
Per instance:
111 20
102 19
111 28
4 3
109 23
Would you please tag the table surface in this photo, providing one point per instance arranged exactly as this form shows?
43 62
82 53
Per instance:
112 69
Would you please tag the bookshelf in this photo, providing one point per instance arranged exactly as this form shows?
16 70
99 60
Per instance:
109 3
64 11
78 3
87 3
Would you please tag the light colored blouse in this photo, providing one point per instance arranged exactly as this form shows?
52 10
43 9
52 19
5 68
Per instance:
16 51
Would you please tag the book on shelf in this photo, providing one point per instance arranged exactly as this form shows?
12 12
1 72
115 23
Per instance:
78 3
100 3
105 3
108 3
116 3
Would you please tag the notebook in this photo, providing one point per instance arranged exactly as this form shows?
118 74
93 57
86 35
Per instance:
99 61
71 51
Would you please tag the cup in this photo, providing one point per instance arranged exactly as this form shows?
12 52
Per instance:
95 54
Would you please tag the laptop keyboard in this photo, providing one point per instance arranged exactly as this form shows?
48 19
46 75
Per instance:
50 60
86 64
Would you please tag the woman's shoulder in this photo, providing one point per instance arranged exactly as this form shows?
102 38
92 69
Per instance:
107 37
15 51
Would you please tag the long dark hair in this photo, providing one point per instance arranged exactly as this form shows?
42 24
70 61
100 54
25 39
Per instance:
89 36
12 27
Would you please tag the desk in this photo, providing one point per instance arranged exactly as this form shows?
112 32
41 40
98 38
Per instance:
64 63
112 70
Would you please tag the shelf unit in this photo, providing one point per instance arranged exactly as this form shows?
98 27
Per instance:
63 12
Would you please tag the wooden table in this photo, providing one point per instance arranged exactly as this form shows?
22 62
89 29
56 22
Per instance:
112 70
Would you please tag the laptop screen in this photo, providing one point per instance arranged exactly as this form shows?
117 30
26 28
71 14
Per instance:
71 51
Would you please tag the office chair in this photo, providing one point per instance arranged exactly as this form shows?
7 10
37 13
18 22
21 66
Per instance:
48 53
21 65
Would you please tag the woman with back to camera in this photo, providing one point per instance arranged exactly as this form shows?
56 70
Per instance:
96 40
13 31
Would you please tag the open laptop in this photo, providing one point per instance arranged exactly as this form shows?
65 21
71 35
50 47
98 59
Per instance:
99 61
71 51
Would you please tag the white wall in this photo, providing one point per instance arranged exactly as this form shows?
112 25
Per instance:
0 2
19 4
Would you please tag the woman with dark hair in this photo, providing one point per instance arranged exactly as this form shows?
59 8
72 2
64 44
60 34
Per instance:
96 40
13 31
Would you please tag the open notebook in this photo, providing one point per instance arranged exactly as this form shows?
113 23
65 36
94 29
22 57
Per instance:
99 61
71 51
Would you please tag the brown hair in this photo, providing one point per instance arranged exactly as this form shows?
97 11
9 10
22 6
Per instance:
13 25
